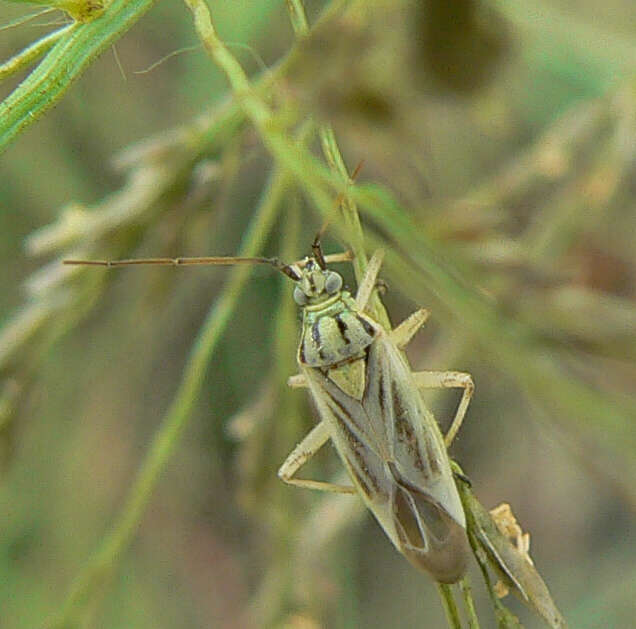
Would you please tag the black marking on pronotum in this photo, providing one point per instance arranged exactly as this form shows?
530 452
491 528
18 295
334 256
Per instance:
368 328
301 354
342 327
315 333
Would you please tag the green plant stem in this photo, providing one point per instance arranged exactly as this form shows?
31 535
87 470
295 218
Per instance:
352 224
100 567
464 584
336 162
298 17
318 181
450 607
318 178
31 53
70 56
505 619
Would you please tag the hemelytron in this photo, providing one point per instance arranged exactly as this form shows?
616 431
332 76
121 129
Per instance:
370 408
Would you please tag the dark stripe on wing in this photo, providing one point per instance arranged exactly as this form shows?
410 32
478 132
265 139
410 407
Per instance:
357 448
433 459
361 482
381 392
405 431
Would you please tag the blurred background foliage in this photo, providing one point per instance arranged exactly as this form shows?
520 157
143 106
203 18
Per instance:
507 129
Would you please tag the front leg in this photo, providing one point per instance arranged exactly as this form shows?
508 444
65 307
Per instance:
306 449
446 380
368 282
404 332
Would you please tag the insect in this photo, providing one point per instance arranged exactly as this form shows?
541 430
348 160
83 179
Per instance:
370 408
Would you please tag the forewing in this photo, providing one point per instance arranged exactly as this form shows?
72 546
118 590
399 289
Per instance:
351 432
414 441
427 515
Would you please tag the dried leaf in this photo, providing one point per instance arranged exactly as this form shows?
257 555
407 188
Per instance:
511 564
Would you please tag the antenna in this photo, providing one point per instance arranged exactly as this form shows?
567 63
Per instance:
203 261
287 269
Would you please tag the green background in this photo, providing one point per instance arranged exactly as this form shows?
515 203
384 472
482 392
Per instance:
508 132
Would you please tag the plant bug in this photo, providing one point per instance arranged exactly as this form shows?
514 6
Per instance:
369 406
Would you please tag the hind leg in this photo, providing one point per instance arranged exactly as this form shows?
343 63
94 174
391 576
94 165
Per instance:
449 380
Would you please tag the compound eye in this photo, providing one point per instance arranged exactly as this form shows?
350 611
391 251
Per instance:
333 282
299 297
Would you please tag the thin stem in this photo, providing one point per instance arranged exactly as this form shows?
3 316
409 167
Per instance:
70 56
34 51
450 607
302 165
336 162
298 17
253 106
464 584
97 571
505 619
351 217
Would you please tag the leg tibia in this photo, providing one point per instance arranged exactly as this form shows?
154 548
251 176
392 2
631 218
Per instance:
446 380
367 284
304 451
407 329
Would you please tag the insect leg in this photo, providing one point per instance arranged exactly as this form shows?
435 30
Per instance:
367 284
344 256
446 380
317 438
297 382
407 329
331 258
